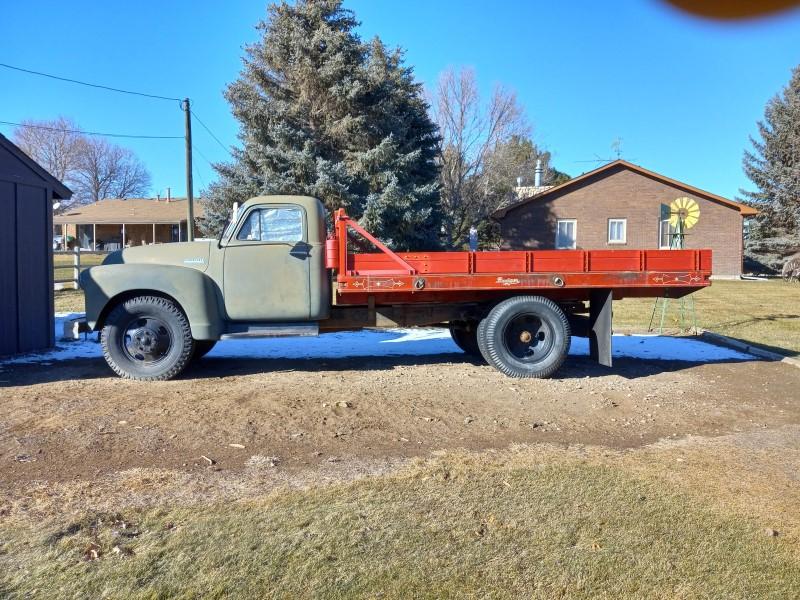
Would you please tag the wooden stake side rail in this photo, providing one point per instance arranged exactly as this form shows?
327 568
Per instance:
431 276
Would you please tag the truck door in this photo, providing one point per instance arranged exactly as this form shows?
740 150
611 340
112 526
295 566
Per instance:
266 266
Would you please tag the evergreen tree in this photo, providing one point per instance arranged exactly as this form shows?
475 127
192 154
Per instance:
324 114
773 164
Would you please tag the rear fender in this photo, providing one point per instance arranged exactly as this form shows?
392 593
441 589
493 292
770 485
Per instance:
196 294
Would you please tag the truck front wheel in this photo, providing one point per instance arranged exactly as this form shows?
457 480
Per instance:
147 338
525 336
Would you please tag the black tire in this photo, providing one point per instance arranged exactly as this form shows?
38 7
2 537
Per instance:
525 336
481 339
202 347
465 335
147 338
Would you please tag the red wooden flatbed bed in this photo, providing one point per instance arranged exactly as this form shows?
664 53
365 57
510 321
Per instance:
412 277
515 309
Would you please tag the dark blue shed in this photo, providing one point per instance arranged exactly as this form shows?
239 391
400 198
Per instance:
27 193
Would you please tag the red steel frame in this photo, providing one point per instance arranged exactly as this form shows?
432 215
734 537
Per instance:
388 277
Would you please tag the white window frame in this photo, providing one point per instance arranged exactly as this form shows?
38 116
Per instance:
574 234
624 239
661 245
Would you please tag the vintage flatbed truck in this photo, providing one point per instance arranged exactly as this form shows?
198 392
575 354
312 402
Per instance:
275 271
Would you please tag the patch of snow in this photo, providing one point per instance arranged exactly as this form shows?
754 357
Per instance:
383 342
395 342
663 347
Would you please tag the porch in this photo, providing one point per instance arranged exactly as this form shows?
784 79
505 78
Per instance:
113 224
114 236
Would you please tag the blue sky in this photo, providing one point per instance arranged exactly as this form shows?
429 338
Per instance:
682 93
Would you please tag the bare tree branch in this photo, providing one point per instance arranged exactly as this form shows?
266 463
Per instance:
59 152
92 168
471 132
110 171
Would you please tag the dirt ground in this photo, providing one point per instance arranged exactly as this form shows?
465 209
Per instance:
75 421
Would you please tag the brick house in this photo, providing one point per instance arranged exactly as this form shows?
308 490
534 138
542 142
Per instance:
619 205
114 223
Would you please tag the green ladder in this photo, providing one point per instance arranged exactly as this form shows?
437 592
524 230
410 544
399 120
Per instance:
686 305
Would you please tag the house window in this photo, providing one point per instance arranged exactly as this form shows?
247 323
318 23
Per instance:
566 233
617 231
665 234
273 225
85 234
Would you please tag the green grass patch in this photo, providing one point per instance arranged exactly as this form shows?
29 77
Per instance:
69 301
87 260
765 313
441 531
63 264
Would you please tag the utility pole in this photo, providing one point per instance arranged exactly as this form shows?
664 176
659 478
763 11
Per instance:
189 184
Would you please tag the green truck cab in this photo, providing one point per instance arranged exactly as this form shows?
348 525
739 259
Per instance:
160 306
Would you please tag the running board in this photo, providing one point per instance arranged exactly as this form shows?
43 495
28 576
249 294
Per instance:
262 330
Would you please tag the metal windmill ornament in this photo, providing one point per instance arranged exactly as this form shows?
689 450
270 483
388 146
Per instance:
683 214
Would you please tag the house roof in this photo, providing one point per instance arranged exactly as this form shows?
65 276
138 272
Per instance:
131 211
60 191
742 208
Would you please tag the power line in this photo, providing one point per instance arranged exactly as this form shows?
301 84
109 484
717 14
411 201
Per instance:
211 133
94 85
203 156
114 135
197 173
184 104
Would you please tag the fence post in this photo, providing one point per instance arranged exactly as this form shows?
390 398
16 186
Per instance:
76 266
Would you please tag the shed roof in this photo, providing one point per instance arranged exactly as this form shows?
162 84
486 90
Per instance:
742 208
130 211
31 172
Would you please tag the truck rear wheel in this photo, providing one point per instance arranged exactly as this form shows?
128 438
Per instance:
525 336
481 334
465 335
147 338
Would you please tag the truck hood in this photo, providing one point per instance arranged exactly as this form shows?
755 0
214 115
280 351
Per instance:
183 254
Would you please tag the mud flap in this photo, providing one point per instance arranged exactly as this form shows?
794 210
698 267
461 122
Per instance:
600 326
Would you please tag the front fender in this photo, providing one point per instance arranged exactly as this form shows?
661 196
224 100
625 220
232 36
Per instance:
194 291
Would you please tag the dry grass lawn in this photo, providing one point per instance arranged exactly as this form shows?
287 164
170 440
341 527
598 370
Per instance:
63 264
531 522
68 301
692 518
760 312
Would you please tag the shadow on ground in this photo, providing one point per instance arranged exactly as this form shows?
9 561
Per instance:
210 367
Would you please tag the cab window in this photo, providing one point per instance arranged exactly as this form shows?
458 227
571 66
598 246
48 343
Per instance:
273 225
